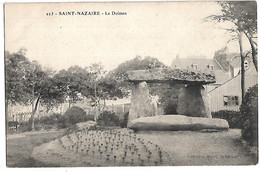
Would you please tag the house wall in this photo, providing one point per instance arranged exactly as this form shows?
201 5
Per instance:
231 88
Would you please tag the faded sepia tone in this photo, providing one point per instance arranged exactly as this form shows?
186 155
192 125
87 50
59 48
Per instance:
131 84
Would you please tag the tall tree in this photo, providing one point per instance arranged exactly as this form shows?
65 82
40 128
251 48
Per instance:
74 83
28 83
242 14
16 70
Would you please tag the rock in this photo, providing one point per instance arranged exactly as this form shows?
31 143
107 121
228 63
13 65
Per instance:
193 101
179 76
176 123
90 125
141 102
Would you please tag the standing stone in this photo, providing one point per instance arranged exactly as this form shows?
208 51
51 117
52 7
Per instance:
141 103
193 101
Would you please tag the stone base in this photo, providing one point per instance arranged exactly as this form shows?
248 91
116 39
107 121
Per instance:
177 123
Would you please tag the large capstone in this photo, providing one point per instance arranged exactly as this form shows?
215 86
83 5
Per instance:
193 101
177 123
141 103
179 76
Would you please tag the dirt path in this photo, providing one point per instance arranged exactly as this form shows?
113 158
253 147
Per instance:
202 148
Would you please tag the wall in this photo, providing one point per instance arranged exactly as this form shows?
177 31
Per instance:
231 88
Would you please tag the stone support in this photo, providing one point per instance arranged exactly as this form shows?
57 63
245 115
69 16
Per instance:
193 101
141 103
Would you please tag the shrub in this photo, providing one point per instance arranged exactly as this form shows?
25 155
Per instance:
12 127
25 126
232 117
53 121
108 118
123 123
249 111
12 124
74 115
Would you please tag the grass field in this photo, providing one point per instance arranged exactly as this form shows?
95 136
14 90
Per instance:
19 149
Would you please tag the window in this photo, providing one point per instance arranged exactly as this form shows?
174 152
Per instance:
230 100
211 67
246 64
194 66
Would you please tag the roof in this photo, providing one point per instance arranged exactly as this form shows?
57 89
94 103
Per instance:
185 63
221 76
251 71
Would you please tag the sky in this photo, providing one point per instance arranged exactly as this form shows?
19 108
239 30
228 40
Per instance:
161 30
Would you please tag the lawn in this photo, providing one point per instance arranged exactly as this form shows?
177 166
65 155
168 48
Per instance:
19 149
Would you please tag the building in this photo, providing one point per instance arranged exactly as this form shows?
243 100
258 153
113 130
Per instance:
228 95
225 94
203 64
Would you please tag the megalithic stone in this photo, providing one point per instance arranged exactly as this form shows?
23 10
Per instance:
141 103
193 101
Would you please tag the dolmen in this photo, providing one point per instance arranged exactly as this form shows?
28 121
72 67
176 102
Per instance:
193 101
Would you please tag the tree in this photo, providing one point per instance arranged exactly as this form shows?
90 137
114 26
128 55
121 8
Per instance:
28 83
108 89
97 72
74 83
221 57
244 19
138 63
16 70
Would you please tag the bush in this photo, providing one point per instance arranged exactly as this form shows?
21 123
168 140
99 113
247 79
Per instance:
108 118
123 123
12 124
75 115
55 120
249 111
12 127
232 117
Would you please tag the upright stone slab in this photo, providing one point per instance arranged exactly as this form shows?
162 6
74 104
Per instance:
193 101
141 103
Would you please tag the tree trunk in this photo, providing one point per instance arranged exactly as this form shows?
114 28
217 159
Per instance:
34 111
242 66
104 104
254 55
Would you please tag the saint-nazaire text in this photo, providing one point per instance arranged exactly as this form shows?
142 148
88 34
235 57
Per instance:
85 13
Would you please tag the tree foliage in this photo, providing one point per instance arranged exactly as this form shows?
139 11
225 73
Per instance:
221 57
119 75
28 83
249 117
73 83
17 70
243 16
108 118
75 115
